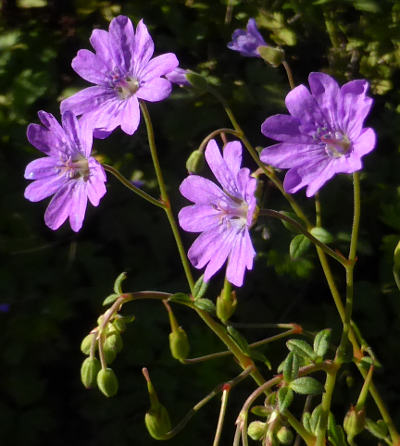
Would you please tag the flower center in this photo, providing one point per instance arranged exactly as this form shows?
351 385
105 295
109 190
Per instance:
76 168
126 87
336 143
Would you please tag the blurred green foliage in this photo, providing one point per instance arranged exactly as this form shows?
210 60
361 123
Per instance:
54 283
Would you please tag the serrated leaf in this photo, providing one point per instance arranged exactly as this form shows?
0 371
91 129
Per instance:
200 287
205 305
298 246
118 283
180 298
377 430
240 341
321 342
301 348
322 234
306 386
285 398
110 299
291 367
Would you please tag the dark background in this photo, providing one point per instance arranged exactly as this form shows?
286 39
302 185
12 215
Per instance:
52 284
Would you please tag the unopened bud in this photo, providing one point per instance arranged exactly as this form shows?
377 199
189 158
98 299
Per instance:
226 306
195 162
107 382
179 344
86 343
197 81
158 422
89 370
354 423
256 430
285 436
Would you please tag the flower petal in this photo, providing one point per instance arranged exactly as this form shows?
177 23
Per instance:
240 258
91 67
288 155
158 66
284 128
41 168
59 207
155 90
95 186
43 188
144 48
198 218
232 155
78 205
100 41
87 100
327 94
200 190
130 116
122 42
303 106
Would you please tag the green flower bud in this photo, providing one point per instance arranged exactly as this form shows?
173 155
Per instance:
179 344
256 430
107 382
354 423
86 343
158 422
195 162
285 435
111 346
89 370
226 306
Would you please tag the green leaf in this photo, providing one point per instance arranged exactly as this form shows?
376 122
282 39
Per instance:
306 421
285 398
118 282
205 305
180 298
378 429
258 356
335 432
322 235
200 288
302 348
240 341
271 55
306 386
315 419
291 367
110 299
260 411
298 246
321 342
289 226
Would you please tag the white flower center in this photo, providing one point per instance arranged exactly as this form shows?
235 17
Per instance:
126 87
75 168
337 144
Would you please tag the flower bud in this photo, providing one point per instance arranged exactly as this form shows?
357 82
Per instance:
86 343
271 55
107 382
89 370
354 423
226 306
158 422
179 344
285 435
195 162
256 430
197 81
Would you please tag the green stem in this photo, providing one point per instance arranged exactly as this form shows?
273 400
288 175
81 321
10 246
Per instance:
132 187
214 134
318 217
164 195
289 74
222 412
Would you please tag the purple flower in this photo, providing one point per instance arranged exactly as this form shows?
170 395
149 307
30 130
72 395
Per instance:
223 215
247 41
178 76
123 71
323 135
67 171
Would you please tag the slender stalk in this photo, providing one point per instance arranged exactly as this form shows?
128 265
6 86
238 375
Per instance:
289 74
214 134
132 187
271 213
222 412
318 217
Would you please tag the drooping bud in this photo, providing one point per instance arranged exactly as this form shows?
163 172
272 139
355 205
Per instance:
256 430
285 436
86 343
226 305
157 418
195 162
179 344
107 382
89 370
354 423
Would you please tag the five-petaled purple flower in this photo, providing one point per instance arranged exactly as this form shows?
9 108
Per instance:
223 215
123 71
323 135
67 171
246 41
